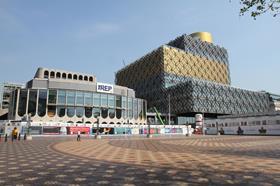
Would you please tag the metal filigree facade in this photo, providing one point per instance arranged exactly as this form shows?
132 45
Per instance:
195 74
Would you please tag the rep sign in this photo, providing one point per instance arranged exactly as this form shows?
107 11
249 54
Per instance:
106 88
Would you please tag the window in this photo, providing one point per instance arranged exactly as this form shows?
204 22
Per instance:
58 75
46 74
118 113
75 77
79 112
88 99
80 98
52 74
63 75
91 79
130 103
111 113
144 108
104 101
104 113
69 76
96 112
61 111
70 97
61 97
51 111
124 102
22 102
124 114
52 96
135 108
86 78
111 101
264 122
96 100
140 110
70 111
32 103
42 104
88 112
118 102
80 77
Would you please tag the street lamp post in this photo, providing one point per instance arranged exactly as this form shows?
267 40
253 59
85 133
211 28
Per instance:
203 131
149 129
169 110
28 123
97 136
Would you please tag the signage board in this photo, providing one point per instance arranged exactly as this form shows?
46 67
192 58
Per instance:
198 119
105 88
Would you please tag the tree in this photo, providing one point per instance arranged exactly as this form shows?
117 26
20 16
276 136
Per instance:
259 7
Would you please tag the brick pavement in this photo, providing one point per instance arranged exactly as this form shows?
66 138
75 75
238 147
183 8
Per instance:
213 160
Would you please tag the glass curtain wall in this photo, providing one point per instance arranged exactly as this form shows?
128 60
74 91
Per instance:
81 104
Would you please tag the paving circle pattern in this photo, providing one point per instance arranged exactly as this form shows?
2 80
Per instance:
235 160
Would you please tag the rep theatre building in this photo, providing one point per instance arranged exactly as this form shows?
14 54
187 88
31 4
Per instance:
61 102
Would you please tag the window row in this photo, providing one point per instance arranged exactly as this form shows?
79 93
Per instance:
64 75
245 123
32 101
80 98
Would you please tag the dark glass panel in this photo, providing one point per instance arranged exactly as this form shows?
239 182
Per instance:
104 113
111 113
118 102
42 104
22 102
118 113
52 96
51 111
61 111
32 103
88 112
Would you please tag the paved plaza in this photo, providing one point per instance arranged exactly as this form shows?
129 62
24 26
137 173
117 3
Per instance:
176 160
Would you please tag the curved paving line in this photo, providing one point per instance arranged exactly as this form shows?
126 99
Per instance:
52 148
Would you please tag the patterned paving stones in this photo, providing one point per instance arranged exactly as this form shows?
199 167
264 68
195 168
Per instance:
200 160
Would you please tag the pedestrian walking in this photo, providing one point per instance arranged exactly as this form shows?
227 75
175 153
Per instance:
15 134
79 136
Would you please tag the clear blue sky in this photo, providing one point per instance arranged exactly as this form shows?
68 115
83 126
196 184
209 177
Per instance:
96 36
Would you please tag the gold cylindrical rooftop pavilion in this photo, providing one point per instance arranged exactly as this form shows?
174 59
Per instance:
203 36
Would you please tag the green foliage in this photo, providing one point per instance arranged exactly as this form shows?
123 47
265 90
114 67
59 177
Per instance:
259 7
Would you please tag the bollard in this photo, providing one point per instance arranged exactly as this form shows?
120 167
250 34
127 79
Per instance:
6 137
19 137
